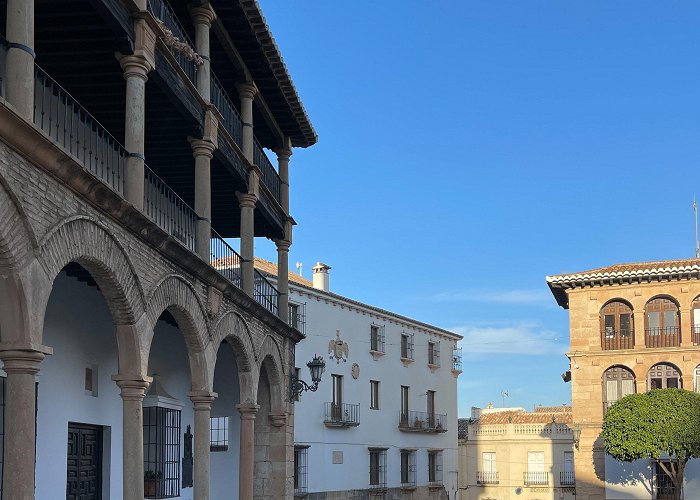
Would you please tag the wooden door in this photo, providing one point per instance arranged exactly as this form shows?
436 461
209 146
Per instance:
84 471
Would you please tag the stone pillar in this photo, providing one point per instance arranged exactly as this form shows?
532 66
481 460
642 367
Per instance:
132 393
283 155
202 18
246 202
202 401
203 152
247 456
247 92
283 278
19 76
20 422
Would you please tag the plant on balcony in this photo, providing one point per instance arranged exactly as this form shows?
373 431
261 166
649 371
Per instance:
151 478
655 425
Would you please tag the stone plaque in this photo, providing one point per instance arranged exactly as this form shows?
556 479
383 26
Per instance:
337 457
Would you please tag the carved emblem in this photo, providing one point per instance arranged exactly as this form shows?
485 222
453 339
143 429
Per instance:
355 371
338 349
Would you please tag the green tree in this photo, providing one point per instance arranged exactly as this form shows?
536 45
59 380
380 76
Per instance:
659 424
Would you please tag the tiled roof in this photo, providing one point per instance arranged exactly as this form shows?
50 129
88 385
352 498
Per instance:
622 273
553 409
521 417
271 268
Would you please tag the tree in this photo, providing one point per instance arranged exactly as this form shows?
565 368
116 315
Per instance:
661 425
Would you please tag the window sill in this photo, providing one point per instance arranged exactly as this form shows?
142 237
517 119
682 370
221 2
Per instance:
407 361
433 367
376 354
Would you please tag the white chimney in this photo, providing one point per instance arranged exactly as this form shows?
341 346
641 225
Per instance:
321 278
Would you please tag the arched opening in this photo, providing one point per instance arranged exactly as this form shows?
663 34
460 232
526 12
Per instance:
664 376
618 382
662 319
616 326
79 409
225 424
695 320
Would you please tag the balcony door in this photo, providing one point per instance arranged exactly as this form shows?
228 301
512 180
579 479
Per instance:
337 405
431 408
404 404
535 467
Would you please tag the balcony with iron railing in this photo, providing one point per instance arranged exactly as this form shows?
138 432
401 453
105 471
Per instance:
617 339
696 335
486 477
341 414
536 478
80 135
418 421
177 38
457 360
666 336
567 478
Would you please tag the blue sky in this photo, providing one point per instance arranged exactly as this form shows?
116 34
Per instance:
467 149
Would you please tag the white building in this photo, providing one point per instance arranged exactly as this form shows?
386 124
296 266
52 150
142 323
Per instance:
384 417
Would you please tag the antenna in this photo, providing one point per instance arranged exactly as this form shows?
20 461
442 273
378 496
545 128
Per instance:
504 395
299 266
695 211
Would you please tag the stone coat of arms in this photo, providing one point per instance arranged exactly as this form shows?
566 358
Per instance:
338 348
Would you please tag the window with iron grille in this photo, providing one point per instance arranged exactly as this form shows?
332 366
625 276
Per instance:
297 316
377 468
408 468
161 452
406 346
376 338
435 466
301 454
218 434
434 353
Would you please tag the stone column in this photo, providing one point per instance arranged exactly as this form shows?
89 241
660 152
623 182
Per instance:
19 86
247 92
283 278
202 401
283 155
203 152
132 393
202 18
20 422
246 202
247 458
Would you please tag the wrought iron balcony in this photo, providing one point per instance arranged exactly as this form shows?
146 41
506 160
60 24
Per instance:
418 421
615 340
536 478
457 359
668 336
162 11
567 478
341 415
696 335
486 477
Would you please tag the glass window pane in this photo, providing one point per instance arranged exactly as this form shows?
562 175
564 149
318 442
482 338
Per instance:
672 383
627 388
625 325
669 319
653 320
609 325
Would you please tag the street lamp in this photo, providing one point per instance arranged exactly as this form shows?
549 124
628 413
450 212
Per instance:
297 386
576 431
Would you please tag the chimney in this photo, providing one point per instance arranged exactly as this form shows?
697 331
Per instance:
321 276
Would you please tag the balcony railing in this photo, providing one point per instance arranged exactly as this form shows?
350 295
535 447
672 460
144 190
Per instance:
667 336
265 293
297 316
418 421
225 259
231 119
567 478
271 178
615 340
486 477
457 359
536 478
163 12
696 335
341 414
164 207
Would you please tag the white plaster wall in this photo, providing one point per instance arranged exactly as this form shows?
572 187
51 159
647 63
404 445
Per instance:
78 326
634 480
377 427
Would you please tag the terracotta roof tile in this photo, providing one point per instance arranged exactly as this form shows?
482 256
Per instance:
271 268
521 417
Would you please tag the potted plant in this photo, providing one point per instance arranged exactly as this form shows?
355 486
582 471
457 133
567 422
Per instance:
151 478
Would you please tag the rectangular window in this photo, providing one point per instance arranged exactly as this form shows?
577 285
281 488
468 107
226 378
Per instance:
404 404
430 397
408 468
161 452
609 325
664 483
300 469
218 434
337 403
435 467
434 353
377 467
489 460
625 325
406 346
536 474
654 323
376 338
374 394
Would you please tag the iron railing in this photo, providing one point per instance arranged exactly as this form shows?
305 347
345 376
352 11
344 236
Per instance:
265 293
615 340
342 413
567 478
408 469
301 470
376 338
696 335
422 421
163 12
486 477
667 336
271 178
77 132
164 207
434 353
536 478
297 316
225 259
457 358
231 119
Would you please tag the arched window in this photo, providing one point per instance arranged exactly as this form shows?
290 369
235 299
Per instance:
616 326
662 323
664 376
695 320
618 382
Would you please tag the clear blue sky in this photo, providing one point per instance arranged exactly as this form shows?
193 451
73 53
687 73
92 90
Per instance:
467 149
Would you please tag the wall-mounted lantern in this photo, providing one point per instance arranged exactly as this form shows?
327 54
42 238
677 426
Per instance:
297 386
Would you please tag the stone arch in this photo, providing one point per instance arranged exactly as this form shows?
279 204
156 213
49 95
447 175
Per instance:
617 382
232 328
177 296
17 240
273 365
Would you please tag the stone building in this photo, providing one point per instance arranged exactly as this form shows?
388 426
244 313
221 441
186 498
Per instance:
509 454
633 327
130 153
383 422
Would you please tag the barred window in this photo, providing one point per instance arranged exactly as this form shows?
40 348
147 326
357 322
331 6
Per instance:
406 346
301 454
435 467
434 353
377 468
408 468
218 434
161 452
376 338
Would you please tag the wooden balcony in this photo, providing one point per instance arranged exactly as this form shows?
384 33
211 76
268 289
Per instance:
616 340
668 336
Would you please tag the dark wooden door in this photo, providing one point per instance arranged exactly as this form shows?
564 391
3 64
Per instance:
84 462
